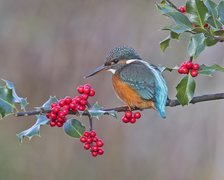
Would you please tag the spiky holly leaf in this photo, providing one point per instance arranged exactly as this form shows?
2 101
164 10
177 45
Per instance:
185 90
34 130
96 111
220 9
176 28
164 44
9 99
74 128
48 103
196 11
196 45
209 70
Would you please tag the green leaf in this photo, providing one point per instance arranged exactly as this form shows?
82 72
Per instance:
185 90
214 23
220 9
174 35
9 99
210 41
35 129
48 103
196 45
196 11
96 111
164 44
209 70
219 33
179 18
176 29
74 128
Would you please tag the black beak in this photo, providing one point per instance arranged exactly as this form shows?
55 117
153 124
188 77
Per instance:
98 70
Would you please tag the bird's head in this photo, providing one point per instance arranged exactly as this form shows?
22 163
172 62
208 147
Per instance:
116 59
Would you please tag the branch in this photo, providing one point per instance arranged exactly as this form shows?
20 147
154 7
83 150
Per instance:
170 103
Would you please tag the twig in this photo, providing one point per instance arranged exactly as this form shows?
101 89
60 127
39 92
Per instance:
170 103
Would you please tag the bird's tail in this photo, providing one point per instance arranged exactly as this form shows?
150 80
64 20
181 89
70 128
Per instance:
162 113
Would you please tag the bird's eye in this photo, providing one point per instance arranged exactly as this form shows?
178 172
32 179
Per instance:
115 61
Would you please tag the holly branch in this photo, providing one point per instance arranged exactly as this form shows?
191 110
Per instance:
170 103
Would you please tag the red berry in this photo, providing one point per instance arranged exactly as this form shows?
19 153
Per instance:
180 70
48 115
99 143
85 96
83 139
61 119
128 114
62 102
81 108
59 124
54 104
83 102
92 133
194 73
205 25
182 9
80 89
94 148
132 120
189 65
195 66
94 153
61 114
86 90
66 107
87 85
185 70
125 119
89 140
137 115
95 139
53 116
86 146
92 92
86 134
100 151
52 123
72 105
65 111
68 100
55 109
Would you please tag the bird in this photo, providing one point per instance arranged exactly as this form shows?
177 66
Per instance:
138 83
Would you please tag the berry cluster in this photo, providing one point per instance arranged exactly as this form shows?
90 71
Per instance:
60 109
92 143
130 117
189 67
182 9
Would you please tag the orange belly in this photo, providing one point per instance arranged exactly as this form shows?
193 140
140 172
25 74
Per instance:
129 95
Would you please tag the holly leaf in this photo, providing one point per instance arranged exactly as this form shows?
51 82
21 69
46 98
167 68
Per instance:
178 17
212 20
185 90
209 70
196 11
174 35
96 111
210 41
48 103
74 128
34 130
9 99
220 9
176 29
164 44
196 45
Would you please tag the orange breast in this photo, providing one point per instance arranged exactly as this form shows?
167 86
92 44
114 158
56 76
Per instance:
127 94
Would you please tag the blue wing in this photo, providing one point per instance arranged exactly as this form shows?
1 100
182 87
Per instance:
140 78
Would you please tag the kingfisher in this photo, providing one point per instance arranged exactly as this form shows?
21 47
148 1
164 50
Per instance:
137 83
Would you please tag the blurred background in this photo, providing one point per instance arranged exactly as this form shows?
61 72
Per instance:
47 46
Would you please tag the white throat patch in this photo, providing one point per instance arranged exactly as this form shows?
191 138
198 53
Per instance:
112 70
131 60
